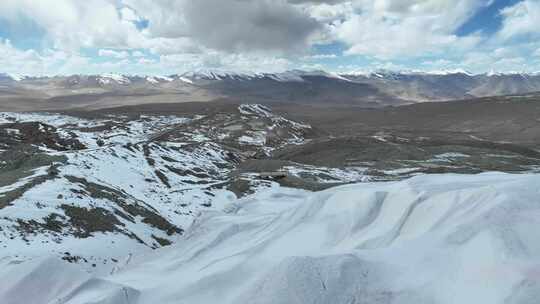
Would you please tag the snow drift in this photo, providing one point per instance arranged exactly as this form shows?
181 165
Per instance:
430 239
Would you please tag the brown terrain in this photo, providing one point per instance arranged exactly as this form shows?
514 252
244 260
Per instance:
463 136
468 136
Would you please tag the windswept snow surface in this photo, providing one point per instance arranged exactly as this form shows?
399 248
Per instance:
429 239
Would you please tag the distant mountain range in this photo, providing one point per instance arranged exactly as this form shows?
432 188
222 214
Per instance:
379 88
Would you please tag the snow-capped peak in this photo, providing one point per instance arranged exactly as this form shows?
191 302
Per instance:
357 73
382 73
449 72
186 80
158 79
14 77
379 73
298 75
512 73
109 78
217 75
294 75
493 73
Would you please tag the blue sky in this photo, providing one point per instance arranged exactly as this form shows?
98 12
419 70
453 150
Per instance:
486 19
164 37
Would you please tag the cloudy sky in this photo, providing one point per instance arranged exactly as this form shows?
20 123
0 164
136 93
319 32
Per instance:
40 37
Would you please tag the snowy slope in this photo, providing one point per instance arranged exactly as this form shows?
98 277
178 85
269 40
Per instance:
430 239
113 78
115 194
11 77
93 191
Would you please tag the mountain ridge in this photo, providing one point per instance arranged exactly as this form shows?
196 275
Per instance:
375 89
220 73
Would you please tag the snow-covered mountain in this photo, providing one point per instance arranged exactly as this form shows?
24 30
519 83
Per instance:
158 79
202 204
287 76
430 239
116 78
217 75
96 190
368 89
11 77
290 75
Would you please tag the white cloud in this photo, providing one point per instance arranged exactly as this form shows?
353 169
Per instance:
502 52
230 25
32 62
13 60
264 35
320 56
329 13
488 61
165 16
224 61
146 61
129 14
389 29
169 46
438 64
72 25
54 62
113 54
520 19
173 26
